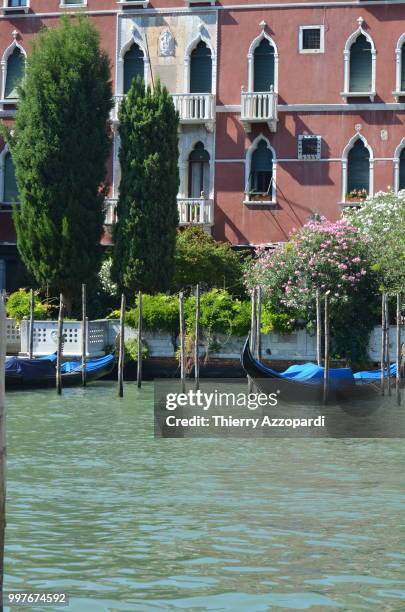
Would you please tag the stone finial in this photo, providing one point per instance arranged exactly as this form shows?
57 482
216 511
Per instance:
360 21
263 24
358 127
14 34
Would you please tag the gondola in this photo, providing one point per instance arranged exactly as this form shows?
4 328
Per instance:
304 383
22 373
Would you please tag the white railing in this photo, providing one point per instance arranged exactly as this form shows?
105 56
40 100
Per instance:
110 211
194 108
13 339
46 336
195 211
114 111
259 106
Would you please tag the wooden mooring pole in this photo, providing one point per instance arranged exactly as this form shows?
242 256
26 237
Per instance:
398 351
197 338
326 357
383 339
121 348
31 336
182 342
387 342
2 439
259 324
318 328
84 333
253 322
139 364
59 350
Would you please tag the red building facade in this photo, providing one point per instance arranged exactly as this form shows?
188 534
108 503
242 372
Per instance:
286 109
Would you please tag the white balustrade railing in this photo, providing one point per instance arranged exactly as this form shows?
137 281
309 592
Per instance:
194 108
259 106
195 211
114 111
46 336
110 211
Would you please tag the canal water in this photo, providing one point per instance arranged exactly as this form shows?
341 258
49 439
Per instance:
120 521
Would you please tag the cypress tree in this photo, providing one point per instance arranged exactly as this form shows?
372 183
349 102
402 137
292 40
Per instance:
145 235
60 146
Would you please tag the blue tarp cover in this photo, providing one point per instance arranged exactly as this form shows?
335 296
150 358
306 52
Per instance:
312 373
375 374
34 369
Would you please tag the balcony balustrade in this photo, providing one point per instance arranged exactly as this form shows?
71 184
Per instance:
195 108
110 211
259 107
196 211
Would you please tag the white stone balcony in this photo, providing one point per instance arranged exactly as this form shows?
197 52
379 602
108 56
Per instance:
196 211
194 108
110 211
259 107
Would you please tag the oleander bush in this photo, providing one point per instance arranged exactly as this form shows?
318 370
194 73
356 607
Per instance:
324 256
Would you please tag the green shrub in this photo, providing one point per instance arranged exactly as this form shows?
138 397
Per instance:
131 350
18 306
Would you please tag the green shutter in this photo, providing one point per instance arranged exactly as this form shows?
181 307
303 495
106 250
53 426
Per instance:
403 67
263 66
261 170
358 172
402 170
10 184
360 65
201 69
15 72
133 66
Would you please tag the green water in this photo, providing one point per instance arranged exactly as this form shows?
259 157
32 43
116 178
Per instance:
98 508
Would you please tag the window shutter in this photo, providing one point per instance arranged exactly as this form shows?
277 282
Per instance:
10 184
402 170
403 67
360 65
358 176
201 69
133 66
15 72
263 76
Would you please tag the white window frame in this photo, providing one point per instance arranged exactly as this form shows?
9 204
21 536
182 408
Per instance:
345 156
397 160
251 59
4 65
69 5
301 138
398 68
346 93
248 165
15 9
321 28
137 38
3 154
201 37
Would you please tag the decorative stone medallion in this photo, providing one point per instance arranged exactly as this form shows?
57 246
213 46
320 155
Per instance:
167 44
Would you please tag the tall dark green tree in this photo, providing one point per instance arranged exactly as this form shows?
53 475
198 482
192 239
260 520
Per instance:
145 235
60 146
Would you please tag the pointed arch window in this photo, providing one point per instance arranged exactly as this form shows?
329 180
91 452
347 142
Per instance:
358 170
263 70
14 73
401 178
10 190
199 172
360 65
133 65
201 69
